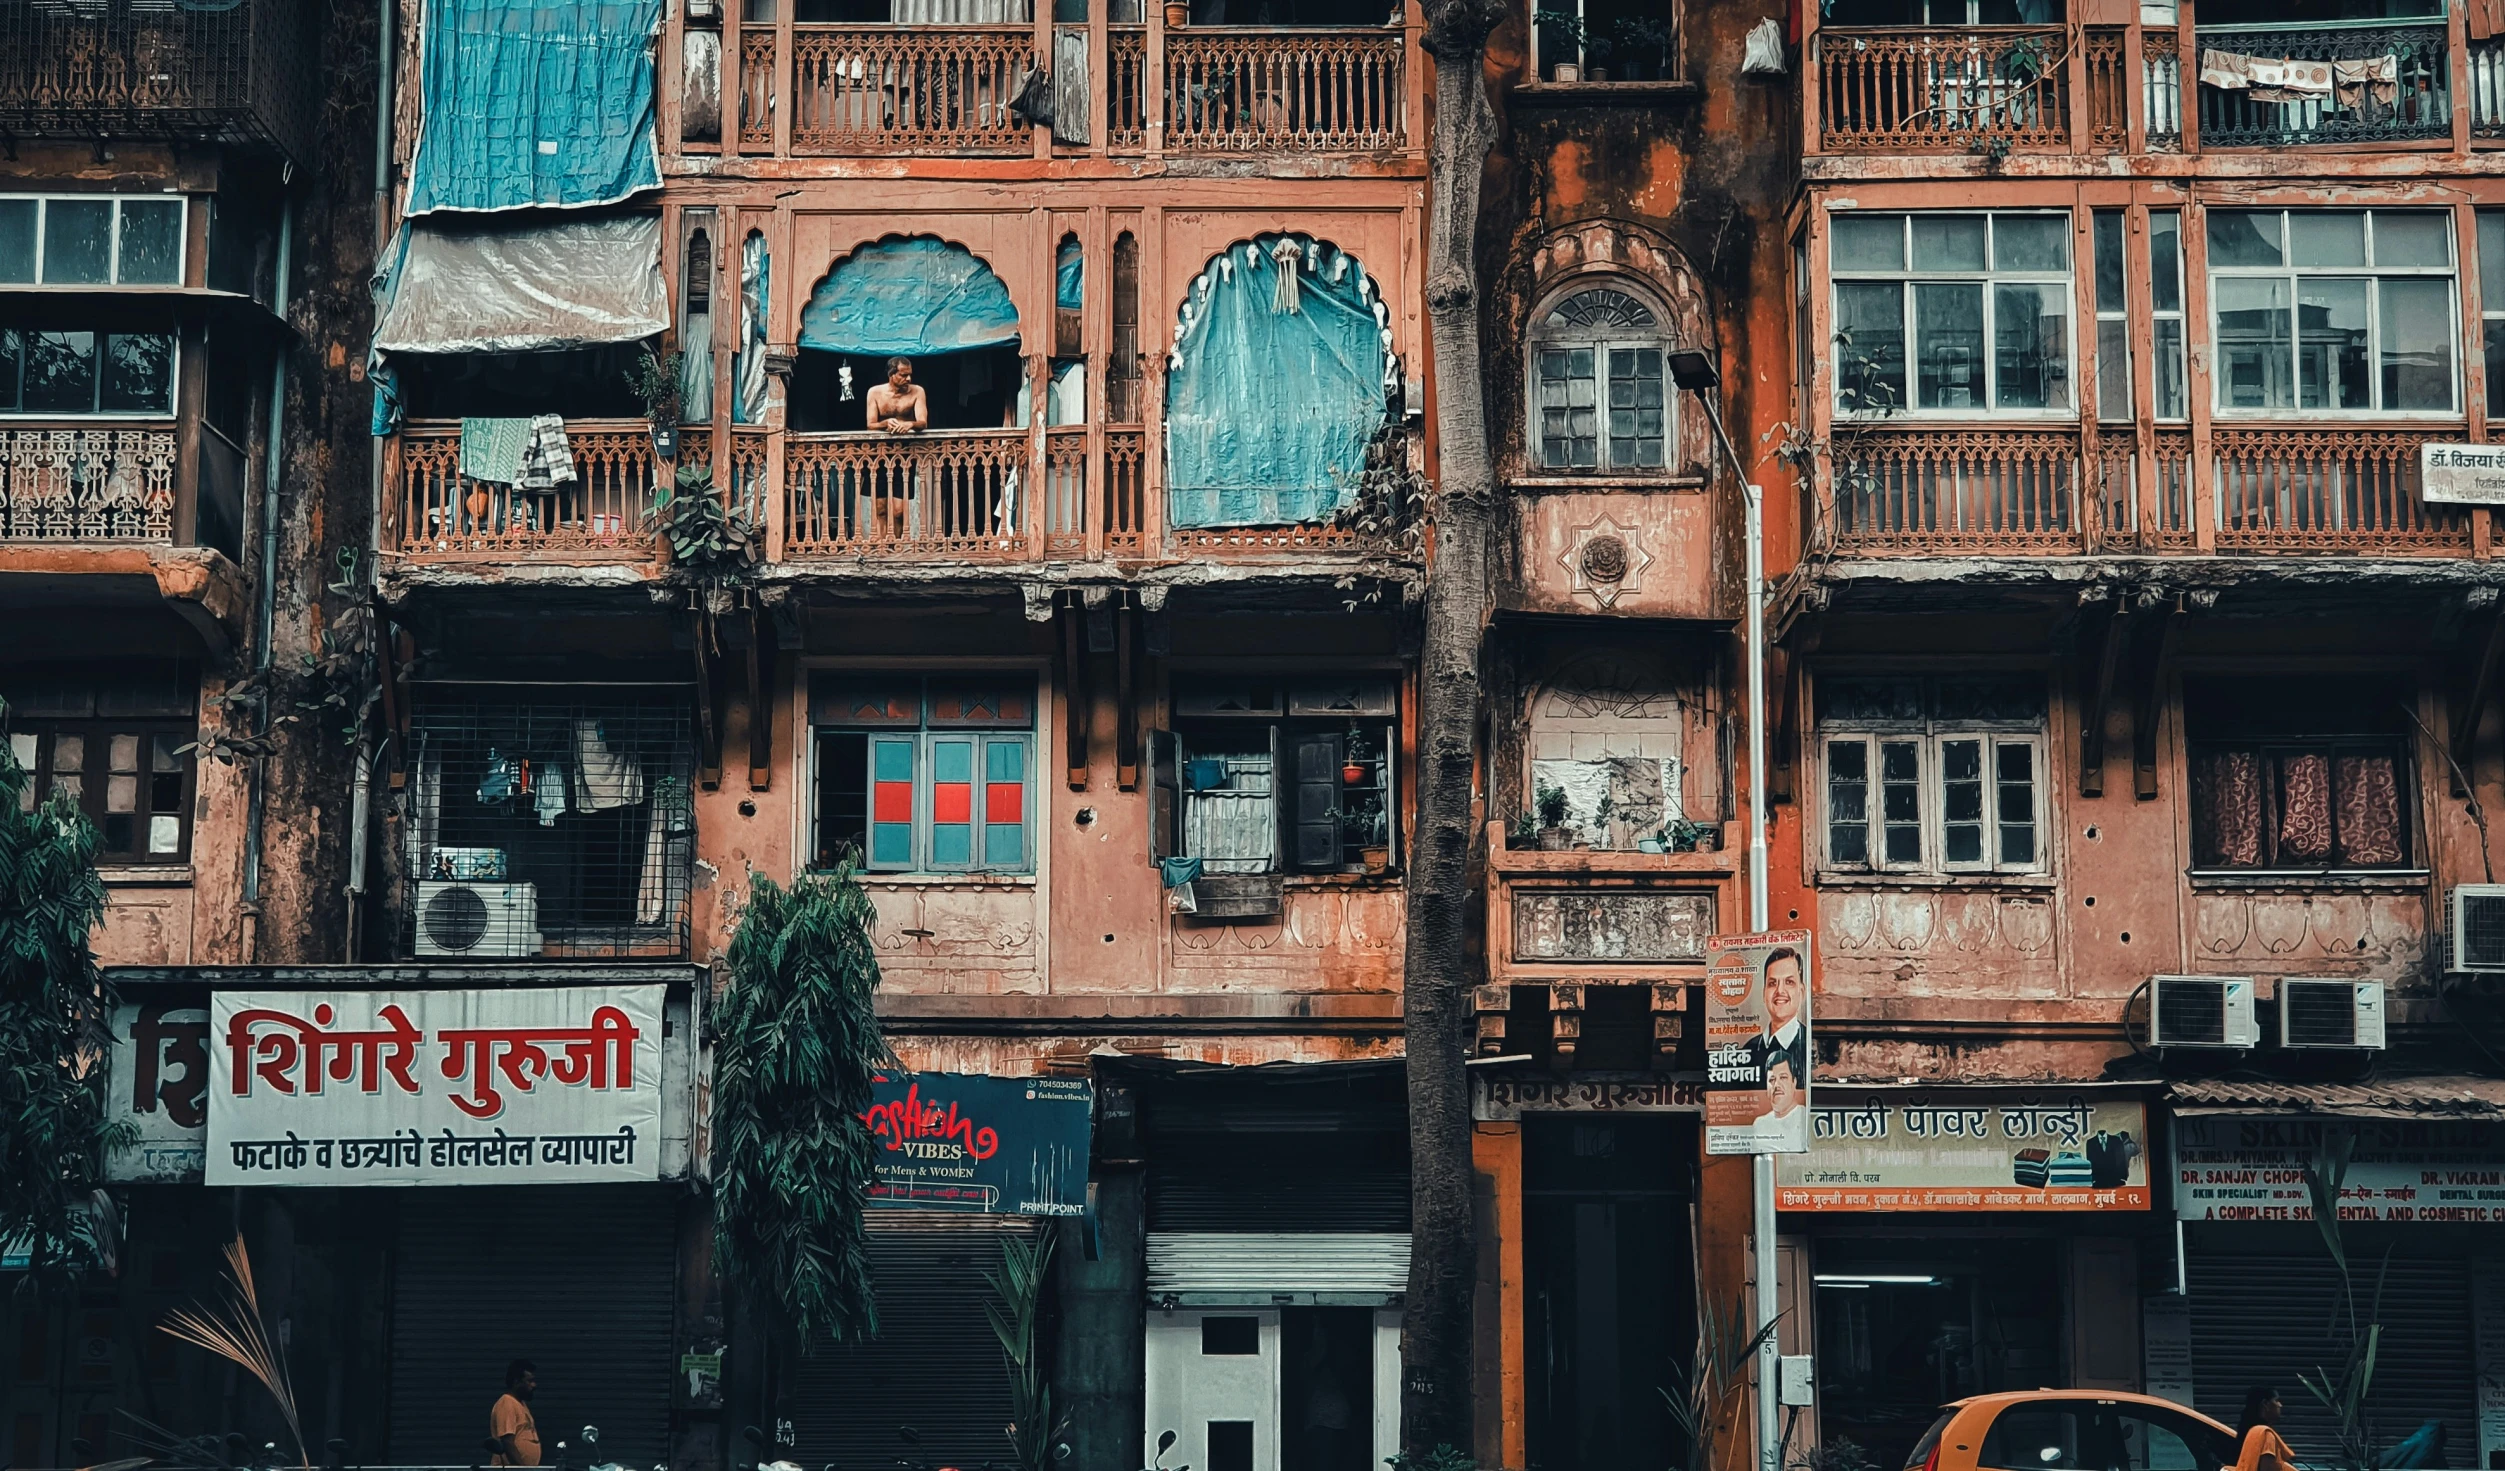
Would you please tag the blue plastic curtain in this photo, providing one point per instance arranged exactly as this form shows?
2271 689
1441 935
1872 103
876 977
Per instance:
909 297
1069 291
1275 389
536 103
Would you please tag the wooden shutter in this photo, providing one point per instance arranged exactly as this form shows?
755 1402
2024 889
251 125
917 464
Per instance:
2104 1313
1317 801
2487 19
1391 790
1165 795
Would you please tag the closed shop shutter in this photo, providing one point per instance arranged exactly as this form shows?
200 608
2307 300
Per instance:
1311 1269
2265 1318
579 1279
935 1364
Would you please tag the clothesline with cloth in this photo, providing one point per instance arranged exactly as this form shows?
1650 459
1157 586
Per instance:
2282 79
530 453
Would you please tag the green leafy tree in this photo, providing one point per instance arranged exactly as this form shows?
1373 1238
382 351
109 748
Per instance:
1019 1287
796 1043
55 1029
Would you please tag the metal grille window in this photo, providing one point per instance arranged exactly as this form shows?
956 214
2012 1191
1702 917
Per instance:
1983 301
1933 775
91 240
2338 311
2165 289
563 827
921 774
1260 777
2113 320
1598 401
63 373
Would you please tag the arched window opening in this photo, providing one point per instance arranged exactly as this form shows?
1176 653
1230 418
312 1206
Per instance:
1067 401
695 321
1124 363
922 299
1607 737
1599 399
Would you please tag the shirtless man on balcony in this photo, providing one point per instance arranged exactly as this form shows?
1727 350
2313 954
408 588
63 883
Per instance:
897 406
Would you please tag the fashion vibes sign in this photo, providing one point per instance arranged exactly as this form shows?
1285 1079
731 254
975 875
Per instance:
999 1146
504 1087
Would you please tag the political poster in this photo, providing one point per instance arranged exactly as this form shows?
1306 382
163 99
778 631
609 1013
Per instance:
1757 1053
984 1145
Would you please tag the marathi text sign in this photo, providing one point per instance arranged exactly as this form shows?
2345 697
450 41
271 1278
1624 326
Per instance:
1501 1098
1968 1150
506 1087
2462 474
996 1146
160 1087
1757 1043
2253 1169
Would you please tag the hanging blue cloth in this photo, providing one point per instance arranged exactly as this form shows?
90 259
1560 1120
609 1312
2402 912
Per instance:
909 297
756 291
1275 387
1069 279
536 103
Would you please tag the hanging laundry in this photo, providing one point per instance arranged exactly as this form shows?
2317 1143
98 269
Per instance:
603 776
548 800
1288 254
503 781
673 806
547 460
2353 80
492 449
2267 79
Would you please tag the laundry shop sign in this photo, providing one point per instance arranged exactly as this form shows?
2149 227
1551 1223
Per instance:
983 1145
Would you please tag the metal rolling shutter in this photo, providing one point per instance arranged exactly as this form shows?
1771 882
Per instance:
1216 1269
579 1279
935 1364
2263 1318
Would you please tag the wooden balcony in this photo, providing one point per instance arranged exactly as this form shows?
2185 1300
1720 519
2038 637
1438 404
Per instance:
434 512
80 483
1231 90
1948 89
2043 492
238 73
2415 104
882 89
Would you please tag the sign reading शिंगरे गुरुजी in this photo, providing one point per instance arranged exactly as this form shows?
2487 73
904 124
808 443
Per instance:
993 1146
1757 1043
1969 1149
506 1087
2462 474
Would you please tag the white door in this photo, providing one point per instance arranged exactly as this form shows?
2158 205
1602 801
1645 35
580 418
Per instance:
1213 1379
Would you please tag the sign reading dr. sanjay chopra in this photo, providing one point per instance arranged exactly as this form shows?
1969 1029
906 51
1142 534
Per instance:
1757 1043
504 1087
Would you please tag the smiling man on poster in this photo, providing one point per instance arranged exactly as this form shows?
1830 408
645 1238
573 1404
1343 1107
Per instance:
1757 1054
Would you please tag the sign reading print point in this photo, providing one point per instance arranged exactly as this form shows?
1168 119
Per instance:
1757 1056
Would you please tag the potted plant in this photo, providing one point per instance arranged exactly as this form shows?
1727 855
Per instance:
1565 29
655 379
1555 836
1355 761
1600 819
1178 14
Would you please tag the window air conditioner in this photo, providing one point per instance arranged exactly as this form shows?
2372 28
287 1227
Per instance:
477 921
2328 1013
2474 930
2202 1011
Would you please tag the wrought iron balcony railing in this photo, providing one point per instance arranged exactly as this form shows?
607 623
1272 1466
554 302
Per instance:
87 69
80 483
2364 106
1962 89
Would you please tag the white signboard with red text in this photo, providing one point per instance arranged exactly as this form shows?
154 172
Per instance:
506 1087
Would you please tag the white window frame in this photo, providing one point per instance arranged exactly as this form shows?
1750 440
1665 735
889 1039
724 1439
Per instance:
1931 798
173 392
1908 278
2374 275
2159 356
113 254
1601 342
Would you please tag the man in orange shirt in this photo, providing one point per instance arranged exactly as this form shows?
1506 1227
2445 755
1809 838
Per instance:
510 1424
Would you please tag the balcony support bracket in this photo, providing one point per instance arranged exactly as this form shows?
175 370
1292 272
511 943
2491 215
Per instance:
2155 645
2477 650
2103 659
1078 698
760 701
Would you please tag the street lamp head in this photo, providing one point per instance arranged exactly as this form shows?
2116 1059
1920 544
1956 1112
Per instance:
1693 372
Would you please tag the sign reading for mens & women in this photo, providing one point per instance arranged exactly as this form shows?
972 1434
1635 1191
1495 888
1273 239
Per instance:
1757 1043
504 1087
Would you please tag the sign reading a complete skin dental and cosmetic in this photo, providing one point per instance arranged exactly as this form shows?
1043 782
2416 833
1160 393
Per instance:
1968 1149
503 1087
2253 1169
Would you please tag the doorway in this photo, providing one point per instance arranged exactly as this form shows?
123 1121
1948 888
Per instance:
1274 1389
1610 1292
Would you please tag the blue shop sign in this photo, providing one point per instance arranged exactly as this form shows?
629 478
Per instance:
993 1146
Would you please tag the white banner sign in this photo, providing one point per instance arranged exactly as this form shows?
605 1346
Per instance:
2253 1169
435 1087
2462 474
160 1087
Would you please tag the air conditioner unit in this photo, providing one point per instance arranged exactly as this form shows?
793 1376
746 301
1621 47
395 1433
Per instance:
477 921
2474 930
2202 1011
2330 1013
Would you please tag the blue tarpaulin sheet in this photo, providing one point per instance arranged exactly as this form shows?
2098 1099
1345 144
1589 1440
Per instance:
536 103
909 297
1275 388
1069 291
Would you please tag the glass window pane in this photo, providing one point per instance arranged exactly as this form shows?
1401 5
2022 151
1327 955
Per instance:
2496 366
2109 270
77 242
2413 238
2031 242
1567 429
1866 242
2167 370
138 374
1870 346
1948 345
1635 408
152 242
1961 801
1848 802
1948 242
17 240
60 373
69 752
2331 343
165 834
2417 346
2015 775
2113 368
2491 261
2031 346
2327 237
2244 237
2165 259
8 369
166 753
2255 369
1900 800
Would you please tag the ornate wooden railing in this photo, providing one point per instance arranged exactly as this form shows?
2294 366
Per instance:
1126 90
233 72
1968 89
1066 497
2161 90
604 512
877 89
2329 490
2415 103
1230 90
1126 492
948 492
2487 88
86 484
2109 71
756 91
1958 490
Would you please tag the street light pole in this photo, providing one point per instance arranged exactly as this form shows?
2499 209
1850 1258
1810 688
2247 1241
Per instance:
1695 373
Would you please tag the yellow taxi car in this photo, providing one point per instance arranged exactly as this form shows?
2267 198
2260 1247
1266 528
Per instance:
2072 1430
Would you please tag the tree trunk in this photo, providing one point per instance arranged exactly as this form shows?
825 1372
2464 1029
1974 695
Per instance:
1438 972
